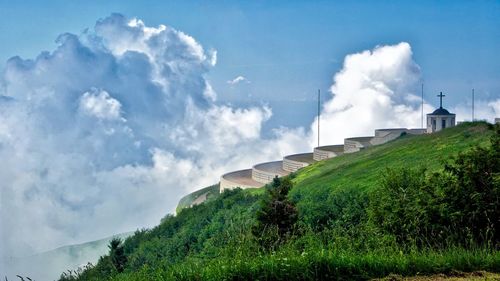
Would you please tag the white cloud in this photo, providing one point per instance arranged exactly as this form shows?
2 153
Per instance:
105 133
237 80
99 104
495 105
374 89
483 110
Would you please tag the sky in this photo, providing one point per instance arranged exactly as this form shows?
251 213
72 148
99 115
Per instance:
110 112
288 49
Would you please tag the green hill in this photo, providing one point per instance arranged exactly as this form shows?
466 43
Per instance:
387 209
362 170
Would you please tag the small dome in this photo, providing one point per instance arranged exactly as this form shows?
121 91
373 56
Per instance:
441 111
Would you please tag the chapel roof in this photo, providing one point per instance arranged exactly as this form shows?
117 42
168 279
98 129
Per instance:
441 111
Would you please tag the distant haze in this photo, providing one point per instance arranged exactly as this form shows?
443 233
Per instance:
49 265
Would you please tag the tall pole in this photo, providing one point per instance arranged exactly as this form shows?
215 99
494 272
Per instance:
319 105
422 108
472 104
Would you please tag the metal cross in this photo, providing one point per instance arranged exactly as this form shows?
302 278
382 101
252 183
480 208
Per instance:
441 99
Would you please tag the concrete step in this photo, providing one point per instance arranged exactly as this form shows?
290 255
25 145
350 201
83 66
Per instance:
352 145
328 151
242 179
292 163
265 172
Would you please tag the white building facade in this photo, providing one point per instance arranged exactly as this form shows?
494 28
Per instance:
440 119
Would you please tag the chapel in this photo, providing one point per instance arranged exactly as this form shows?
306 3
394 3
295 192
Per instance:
440 118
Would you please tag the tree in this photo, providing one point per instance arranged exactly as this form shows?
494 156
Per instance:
117 254
277 214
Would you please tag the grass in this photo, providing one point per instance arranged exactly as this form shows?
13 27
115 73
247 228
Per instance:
327 265
363 169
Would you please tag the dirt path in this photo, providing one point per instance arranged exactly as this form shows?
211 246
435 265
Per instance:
459 276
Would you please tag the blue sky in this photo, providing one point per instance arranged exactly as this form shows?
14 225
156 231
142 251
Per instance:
288 49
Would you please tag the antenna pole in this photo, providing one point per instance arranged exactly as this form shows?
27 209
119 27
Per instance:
472 104
422 108
319 112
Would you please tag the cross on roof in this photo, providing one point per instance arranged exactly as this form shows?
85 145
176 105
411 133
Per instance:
441 99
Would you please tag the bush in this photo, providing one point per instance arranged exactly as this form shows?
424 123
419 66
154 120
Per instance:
459 205
406 207
473 196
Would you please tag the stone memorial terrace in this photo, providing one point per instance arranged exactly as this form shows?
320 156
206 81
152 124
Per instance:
263 173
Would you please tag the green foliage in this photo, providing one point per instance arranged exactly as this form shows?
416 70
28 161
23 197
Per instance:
117 254
320 264
473 194
407 207
277 215
344 208
458 205
394 208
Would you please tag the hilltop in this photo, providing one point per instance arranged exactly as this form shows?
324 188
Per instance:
363 168
341 230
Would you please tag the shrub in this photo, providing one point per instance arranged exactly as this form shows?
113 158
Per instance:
459 205
473 197
277 215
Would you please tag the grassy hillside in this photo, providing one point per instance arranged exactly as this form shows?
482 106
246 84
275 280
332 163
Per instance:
208 193
317 185
363 168
389 209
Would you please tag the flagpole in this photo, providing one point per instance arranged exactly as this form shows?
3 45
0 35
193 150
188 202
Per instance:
319 112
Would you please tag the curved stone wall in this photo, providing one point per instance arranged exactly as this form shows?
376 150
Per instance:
385 132
417 131
328 151
241 178
292 163
386 135
265 172
356 144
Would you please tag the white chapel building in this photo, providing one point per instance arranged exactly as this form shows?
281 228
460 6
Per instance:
440 118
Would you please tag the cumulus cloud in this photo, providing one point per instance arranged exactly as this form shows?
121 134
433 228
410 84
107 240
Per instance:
105 133
374 89
237 80
100 105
